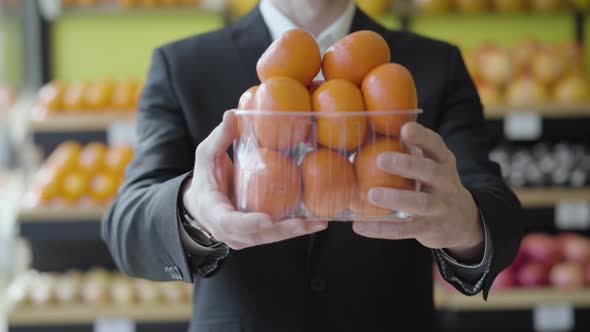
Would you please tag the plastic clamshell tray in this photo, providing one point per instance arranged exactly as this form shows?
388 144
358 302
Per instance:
317 165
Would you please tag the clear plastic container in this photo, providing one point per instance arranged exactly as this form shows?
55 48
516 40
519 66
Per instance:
317 165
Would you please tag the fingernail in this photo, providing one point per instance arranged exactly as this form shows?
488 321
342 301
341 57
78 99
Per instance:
376 194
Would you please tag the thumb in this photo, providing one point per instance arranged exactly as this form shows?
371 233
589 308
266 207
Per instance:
222 137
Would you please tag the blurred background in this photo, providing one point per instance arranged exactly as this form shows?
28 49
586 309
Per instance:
70 75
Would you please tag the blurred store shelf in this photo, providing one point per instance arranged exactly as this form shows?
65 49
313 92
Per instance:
79 121
511 299
516 299
548 197
545 111
74 214
87 314
63 224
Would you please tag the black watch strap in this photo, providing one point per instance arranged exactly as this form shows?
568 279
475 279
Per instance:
205 260
205 254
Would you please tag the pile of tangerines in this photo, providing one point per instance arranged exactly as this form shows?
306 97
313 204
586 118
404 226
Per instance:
345 122
74 174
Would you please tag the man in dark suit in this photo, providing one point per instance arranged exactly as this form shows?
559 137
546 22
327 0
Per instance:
173 220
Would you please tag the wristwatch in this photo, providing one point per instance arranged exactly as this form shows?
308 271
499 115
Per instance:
204 252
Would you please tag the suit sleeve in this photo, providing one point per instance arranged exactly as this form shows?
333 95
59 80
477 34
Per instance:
462 126
141 228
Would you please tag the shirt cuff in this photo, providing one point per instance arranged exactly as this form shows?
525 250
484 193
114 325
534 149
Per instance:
467 278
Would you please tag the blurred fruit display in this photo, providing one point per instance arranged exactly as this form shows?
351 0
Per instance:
101 96
75 175
560 261
96 286
500 6
132 3
530 73
544 165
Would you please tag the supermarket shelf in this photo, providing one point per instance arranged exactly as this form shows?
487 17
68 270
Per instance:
42 215
548 197
545 110
573 128
79 121
55 225
85 314
514 299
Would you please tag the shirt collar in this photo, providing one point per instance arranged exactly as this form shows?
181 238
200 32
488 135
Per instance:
278 23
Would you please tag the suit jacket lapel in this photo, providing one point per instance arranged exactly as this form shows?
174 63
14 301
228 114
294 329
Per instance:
251 38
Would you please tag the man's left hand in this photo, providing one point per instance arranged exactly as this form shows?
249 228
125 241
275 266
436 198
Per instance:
445 214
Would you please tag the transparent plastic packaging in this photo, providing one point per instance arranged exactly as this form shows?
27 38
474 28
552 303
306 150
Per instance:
317 165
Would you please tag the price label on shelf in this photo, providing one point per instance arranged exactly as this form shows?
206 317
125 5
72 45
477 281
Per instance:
523 126
553 317
114 325
121 132
574 215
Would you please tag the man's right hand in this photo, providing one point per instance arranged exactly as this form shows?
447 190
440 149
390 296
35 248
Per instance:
207 197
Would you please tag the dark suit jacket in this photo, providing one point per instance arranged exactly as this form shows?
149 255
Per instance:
346 282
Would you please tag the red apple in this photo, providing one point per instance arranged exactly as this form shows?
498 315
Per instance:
525 91
505 279
562 237
532 275
576 248
541 248
567 275
571 89
548 65
522 54
509 5
520 259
